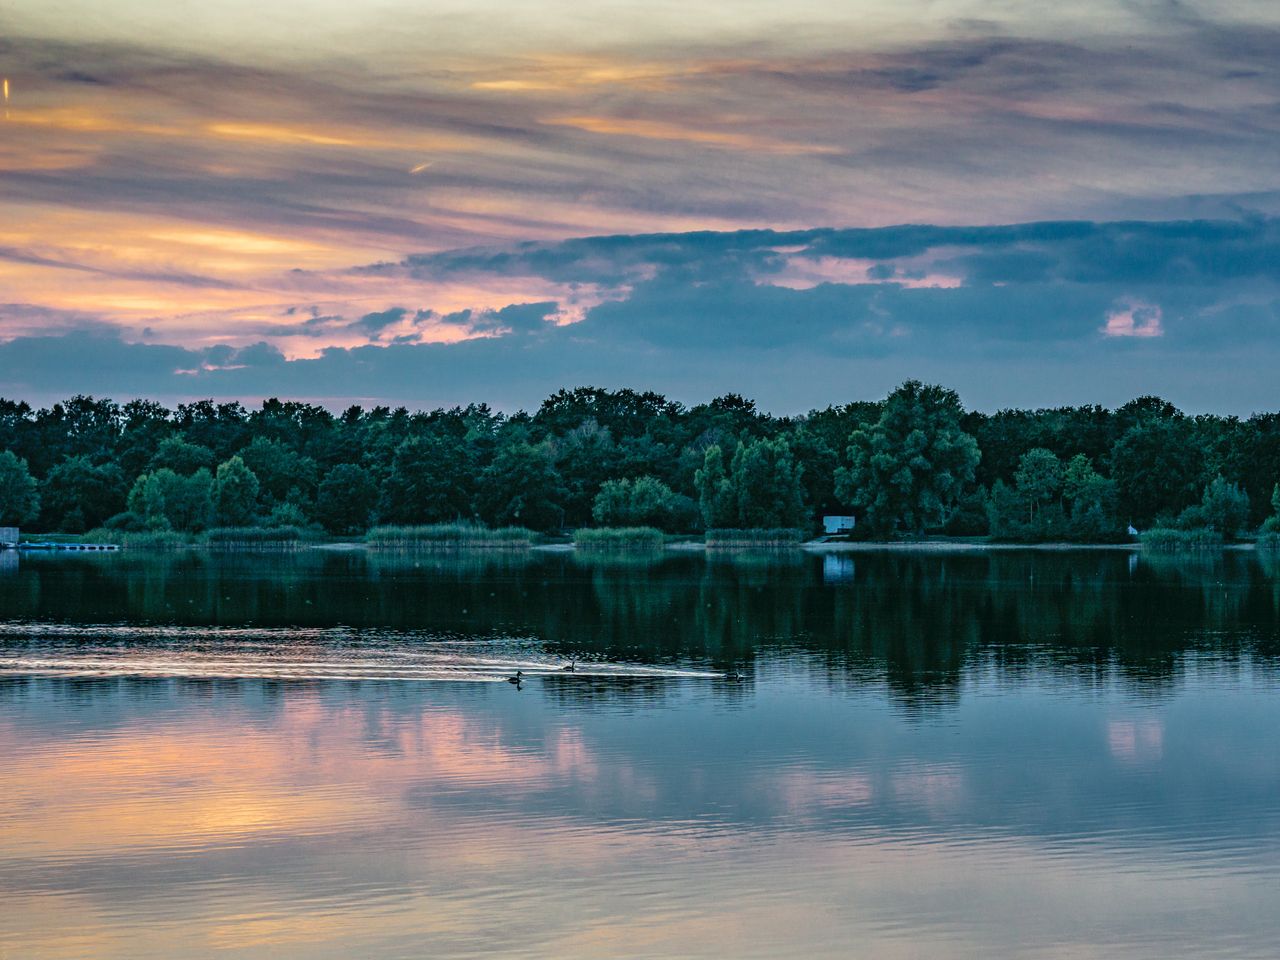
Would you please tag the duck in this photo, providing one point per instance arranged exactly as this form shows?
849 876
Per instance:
571 666
517 679
734 675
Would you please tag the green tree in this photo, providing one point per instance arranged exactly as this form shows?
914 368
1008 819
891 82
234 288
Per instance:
235 494
716 499
908 469
19 500
1039 480
1224 507
181 457
79 496
1157 466
1006 512
346 499
767 485
1091 501
429 482
644 502
164 500
283 474
522 487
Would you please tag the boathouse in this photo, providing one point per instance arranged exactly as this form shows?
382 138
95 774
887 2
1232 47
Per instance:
837 524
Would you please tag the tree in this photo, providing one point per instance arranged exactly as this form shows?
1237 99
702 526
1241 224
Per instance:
1039 479
585 457
716 499
1157 467
165 500
1224 507
235 493
767 485
430 482
79 496
346 498
282 473
521 486
1091 501
181 457
644 502
19 501
908 470
762 488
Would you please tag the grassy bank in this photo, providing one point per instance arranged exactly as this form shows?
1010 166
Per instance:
737 539
450 535
618 538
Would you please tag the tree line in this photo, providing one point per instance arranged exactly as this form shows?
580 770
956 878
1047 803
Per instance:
914 463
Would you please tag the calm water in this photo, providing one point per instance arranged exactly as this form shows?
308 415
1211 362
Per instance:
313 756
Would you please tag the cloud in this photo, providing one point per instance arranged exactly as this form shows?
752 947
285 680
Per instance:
699 312
1134 318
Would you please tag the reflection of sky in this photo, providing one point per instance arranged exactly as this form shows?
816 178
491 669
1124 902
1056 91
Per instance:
961 755
385 820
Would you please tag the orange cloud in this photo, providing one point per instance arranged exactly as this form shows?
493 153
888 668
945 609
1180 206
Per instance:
663 130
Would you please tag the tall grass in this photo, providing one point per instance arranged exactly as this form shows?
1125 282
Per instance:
449 535
778 537
229 538
618 538
1169 538
149 539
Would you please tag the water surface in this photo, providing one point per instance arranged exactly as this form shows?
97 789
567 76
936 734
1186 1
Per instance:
315 755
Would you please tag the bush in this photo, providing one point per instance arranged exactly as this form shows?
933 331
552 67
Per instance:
1269 540
1168 538
449 535
774 537
127 522
618 538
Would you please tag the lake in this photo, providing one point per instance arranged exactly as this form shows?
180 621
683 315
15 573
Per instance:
315 755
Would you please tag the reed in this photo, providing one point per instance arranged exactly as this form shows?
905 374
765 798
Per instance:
450 535
618 538
1169 539
737 539
255 538
140 539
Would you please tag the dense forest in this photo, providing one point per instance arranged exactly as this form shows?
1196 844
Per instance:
915 463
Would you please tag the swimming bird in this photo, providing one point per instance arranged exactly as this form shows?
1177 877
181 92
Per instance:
734 675
517 679
571 666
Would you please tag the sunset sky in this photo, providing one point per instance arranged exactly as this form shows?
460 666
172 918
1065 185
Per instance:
471 200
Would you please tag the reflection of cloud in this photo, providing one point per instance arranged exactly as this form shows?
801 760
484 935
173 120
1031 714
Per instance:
1136 741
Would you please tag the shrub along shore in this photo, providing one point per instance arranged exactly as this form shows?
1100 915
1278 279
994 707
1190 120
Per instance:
913 465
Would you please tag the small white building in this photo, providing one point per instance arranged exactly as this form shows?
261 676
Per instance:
8 537
832 524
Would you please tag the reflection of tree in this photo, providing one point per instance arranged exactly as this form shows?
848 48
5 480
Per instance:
919 622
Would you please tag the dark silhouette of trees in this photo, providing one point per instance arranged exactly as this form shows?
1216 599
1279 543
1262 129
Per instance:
915 462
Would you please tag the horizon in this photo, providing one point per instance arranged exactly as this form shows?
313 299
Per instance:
250 404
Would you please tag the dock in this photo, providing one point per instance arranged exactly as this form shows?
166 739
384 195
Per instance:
79 547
